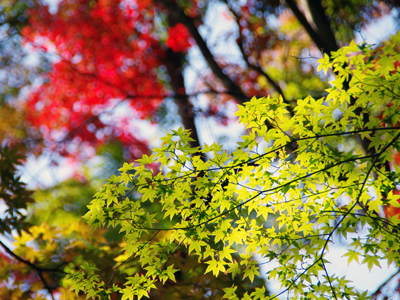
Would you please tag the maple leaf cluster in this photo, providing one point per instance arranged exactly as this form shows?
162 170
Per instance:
105 54
179 38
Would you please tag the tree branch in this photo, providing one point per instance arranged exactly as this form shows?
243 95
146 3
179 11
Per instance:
379 289
37 269
321 23
177 13
311 32
322 36
303 21
185 107
252 66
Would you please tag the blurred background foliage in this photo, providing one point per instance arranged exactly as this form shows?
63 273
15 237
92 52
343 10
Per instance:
48 61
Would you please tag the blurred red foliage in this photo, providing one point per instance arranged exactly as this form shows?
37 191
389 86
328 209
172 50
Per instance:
106 53
179 38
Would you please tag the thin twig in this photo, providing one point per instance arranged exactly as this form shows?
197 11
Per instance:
378 290
37 269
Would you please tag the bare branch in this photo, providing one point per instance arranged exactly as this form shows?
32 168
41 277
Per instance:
379 289
37 269
253 66
185 107
311 32
179 15
321 24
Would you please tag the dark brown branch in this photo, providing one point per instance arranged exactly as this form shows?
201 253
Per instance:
37 269
177 14
379 289
311 32
185 107
252 66
322 26
325 40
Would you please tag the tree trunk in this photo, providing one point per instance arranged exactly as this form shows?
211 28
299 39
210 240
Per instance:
185 107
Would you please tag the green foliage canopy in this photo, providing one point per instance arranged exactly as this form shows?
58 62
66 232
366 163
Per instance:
292 184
